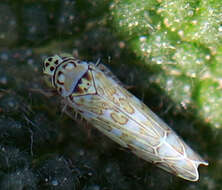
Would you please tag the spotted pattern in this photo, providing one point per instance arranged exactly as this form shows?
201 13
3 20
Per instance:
94 93
126 106
119 118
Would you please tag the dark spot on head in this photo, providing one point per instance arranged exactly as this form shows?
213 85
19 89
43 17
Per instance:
52 68
56 62
50 59
60 72
47 64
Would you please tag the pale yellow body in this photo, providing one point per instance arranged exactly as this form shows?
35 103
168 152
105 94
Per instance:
121 116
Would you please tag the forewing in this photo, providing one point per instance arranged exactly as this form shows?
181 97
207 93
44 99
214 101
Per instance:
126 120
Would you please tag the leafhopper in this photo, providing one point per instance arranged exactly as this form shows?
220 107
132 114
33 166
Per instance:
91 90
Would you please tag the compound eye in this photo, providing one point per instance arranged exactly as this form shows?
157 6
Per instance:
52 68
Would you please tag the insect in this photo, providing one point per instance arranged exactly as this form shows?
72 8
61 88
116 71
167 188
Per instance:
94 92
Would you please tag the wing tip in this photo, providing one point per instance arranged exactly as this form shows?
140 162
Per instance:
194 174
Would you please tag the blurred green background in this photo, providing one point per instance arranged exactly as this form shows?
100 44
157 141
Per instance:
169 52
